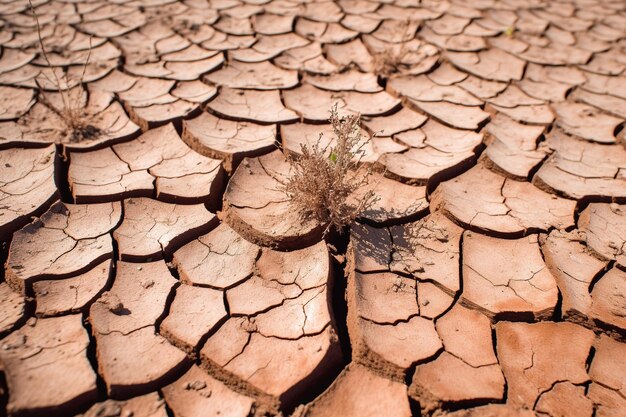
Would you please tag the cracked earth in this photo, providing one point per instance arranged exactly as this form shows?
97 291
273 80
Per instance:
156 268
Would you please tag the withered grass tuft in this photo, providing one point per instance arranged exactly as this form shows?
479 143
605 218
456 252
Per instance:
324 179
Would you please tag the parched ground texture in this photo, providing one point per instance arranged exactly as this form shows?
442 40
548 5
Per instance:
155 267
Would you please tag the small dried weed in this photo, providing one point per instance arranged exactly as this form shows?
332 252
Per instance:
72 108
391 60
324 178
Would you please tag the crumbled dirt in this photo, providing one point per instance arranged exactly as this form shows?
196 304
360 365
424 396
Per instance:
153 266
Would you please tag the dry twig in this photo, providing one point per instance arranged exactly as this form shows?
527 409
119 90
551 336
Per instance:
72 110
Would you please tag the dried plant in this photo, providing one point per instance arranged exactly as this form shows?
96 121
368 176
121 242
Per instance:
324 179
390 61
72 108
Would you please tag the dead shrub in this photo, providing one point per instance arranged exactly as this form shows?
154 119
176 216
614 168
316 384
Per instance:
72 107
324 179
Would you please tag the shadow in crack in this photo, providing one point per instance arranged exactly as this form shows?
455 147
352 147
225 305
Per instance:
372 247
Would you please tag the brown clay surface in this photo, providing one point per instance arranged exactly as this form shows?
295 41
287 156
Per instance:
153 265
45 349
156 163
66 240
26 187
279 335
124 320
151 229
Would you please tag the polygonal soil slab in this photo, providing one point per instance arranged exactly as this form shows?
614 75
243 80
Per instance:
349 54
180 65
404 119
257 206
391 316
550 55
450 104
347 80
608 102
583 170
267 47
314 104
409 55
46 366
435 152
427 249
279 308
480 87
153 102
151 229
605 230
65 241
519 106
482 200
395 201
114 26
26 185
492 64
458 116
132 358
513 146
251 360
574 269
254 106
467 371
15 102
194 312
566 399
386 329
157 161
460 43
197 393
586 122
228 140
71 295
258 76
424 89
143 92
507 277
534 357
219 259
358 392
310 58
